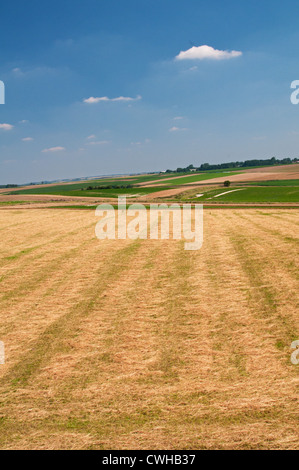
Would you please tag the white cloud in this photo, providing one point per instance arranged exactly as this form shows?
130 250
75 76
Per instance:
93 100
177 129
17 70
178 118
53 149
91 137
24 121
6 127
27 139
207 52
125 98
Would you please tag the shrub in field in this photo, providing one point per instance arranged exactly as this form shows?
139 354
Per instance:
227 184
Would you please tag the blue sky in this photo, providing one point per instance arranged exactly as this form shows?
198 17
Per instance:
96 87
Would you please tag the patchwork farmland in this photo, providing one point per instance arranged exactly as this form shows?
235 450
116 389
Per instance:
149 216
122 344
246 186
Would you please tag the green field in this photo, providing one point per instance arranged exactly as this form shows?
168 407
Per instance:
202 177
62 188
11 203
252 194
113 192
80 189
276 183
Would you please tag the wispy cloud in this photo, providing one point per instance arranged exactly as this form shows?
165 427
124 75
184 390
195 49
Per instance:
93 100
145 141
33 72
27 139
99 142
91 137
207 52
17 71
53 149
177 129
6 127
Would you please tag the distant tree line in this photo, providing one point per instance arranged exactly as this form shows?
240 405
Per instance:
246 164
4 186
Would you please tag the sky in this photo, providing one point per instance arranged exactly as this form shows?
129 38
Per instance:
98 87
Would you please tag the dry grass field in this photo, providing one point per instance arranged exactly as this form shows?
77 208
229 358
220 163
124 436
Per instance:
142 345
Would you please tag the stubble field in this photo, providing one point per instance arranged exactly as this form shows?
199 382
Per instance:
142 345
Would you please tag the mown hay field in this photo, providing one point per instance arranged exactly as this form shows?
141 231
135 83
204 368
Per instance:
142 345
